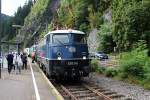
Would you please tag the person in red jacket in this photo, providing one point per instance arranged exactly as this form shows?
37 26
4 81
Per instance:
33 57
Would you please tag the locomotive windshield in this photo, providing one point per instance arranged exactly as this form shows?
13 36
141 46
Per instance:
79 38
60 38
66 38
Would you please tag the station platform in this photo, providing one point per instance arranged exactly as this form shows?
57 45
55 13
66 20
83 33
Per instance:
29 85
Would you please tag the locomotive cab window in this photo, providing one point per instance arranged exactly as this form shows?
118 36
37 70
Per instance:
78 38
60 38
48 39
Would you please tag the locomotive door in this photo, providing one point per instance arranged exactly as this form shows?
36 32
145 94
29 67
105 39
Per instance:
48 40
47 45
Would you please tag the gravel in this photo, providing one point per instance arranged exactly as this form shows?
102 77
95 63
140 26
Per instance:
129 90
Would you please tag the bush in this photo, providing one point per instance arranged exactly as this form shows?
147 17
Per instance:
101 70
94 65
111 72
134 68
134 64
146 82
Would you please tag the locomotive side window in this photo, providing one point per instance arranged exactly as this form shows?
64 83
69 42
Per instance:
78 38
44 41
48 39
60 38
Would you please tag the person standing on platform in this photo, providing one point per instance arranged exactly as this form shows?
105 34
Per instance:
14 61
18 62
9 58
33 57
24 60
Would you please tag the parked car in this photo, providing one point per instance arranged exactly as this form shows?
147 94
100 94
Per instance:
101 55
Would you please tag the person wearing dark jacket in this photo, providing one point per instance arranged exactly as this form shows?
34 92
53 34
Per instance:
9 58
24 60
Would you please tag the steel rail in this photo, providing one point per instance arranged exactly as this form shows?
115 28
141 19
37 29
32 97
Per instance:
97 92
69 93
104 97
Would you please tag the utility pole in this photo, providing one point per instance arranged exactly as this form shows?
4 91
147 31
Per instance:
0 42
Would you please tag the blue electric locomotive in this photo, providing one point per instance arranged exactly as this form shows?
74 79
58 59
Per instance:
64 53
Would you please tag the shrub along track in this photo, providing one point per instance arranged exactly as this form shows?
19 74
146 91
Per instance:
86 91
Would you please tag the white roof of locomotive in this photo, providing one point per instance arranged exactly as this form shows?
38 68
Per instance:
67 31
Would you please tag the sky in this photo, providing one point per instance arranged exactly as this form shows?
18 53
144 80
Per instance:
9 7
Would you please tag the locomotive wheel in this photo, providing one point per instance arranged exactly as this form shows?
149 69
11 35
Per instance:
47 75
39 64
58 79
44 69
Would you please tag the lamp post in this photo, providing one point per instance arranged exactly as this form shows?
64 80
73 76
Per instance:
18 36
0 42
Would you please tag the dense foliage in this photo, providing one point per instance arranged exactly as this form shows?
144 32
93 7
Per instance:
48 15
73 18
106 42
131 22
134 65
6 29
5 25
80 14
37 20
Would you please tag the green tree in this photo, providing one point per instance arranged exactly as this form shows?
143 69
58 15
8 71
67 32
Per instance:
131 22
106 42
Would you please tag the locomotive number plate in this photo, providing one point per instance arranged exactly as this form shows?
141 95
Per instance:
72 63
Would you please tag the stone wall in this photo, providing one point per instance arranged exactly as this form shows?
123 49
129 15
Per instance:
93 41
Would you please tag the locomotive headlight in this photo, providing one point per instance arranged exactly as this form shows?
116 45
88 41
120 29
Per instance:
72 49
59 58
84 57
59 54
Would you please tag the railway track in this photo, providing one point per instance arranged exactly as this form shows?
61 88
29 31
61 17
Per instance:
88 92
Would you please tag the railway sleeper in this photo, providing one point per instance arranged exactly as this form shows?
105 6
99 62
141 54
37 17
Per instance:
126 98
70 95
97 87
102 90
123 98
85 95
104 97
109 92
76 92
113 94
77 89
97 98
116 96
89 98
74 87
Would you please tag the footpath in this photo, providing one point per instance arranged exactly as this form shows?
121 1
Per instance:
25 86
